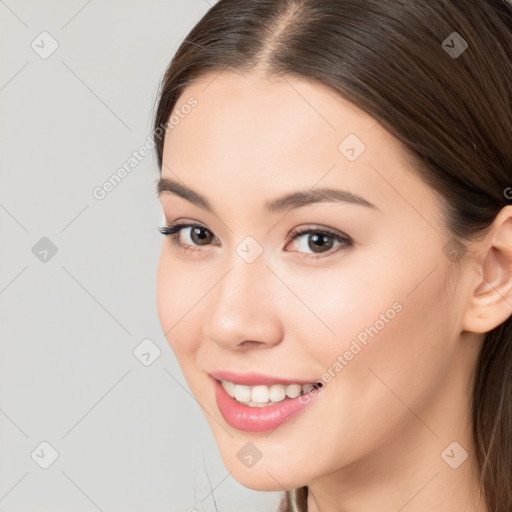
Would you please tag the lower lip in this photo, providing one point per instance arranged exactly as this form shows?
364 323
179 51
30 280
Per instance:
258 419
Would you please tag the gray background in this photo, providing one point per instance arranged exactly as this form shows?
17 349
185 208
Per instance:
129 436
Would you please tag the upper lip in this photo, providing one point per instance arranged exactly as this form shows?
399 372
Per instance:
255 379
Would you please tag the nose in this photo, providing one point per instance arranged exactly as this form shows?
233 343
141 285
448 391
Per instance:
243 310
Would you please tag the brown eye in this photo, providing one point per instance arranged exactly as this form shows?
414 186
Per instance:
200 235
319 243
310 241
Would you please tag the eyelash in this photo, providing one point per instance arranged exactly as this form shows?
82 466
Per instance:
173 232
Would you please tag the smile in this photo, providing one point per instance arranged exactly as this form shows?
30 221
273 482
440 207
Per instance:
262 407
262 395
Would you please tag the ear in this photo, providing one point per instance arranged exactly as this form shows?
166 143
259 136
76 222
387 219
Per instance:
490 303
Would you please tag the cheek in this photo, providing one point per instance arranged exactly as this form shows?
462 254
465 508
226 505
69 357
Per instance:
394 343
392 298
335 306
395 323
164 292
389 349
176 296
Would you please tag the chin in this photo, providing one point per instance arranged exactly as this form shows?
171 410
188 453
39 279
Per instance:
265 482
268 476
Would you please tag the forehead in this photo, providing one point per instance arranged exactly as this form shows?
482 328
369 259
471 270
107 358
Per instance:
251 121
293 107
268 135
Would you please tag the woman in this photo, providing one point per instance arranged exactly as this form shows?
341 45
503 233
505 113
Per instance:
336 179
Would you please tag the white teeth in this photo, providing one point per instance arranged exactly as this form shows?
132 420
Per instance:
307 387
229 387
293 390
242 393
277 392
260 396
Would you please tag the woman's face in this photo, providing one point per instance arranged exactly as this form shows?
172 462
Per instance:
373 315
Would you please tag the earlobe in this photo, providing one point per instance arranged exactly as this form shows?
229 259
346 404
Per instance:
490 302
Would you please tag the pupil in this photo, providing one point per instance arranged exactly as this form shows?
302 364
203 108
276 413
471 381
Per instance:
320 238
196 232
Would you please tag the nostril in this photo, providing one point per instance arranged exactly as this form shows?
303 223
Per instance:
250 343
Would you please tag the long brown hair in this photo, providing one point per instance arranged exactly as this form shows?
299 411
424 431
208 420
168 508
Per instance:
405 63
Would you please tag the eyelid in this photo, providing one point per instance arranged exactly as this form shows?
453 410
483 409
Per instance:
317 228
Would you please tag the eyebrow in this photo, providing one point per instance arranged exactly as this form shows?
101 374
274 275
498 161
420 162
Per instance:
286 202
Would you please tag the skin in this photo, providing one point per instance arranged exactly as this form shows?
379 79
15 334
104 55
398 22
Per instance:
373 436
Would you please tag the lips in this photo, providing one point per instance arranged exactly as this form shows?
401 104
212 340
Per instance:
255 419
